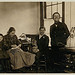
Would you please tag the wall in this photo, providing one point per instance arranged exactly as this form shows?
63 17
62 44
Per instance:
70 14
47 24
25 17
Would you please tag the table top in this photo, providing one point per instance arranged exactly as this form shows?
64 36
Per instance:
68 49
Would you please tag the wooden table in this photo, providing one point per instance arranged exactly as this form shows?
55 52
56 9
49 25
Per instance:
70 58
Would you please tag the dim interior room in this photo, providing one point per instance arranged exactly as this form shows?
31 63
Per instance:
28 17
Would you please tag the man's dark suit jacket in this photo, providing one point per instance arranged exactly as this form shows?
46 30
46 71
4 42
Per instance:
59 33
42 43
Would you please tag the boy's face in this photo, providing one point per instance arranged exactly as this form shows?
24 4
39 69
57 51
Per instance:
56 17
42 31
1 38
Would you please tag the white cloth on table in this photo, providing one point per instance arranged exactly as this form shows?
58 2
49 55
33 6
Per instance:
71 42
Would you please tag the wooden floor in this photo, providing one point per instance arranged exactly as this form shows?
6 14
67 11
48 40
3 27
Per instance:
29 70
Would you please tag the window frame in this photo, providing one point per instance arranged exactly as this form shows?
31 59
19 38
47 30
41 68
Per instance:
63 10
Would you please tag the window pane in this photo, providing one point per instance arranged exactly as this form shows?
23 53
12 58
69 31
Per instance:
54 2
54 9
60 2
60 9
61 19
48 3
48 12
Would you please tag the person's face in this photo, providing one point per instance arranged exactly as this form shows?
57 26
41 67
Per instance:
42 31
72 34
12 33
56 17
34 42
1 38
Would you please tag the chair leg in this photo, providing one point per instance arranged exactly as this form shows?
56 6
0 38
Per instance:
7 65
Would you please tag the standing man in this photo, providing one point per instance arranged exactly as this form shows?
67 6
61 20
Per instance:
59 34
42 43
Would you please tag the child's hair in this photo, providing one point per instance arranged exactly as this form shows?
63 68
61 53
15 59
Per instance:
1 35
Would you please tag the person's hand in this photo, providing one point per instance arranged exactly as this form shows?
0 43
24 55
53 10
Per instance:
13 46
35 50
19 45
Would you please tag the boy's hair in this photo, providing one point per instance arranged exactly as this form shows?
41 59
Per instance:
42 28
54 14
1 35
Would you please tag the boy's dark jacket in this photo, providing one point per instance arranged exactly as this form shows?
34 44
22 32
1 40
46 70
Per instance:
42 43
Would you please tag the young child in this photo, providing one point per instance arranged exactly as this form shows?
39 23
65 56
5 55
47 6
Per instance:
71 38
34 46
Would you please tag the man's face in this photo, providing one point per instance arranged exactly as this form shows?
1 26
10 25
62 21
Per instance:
42 31
56 17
